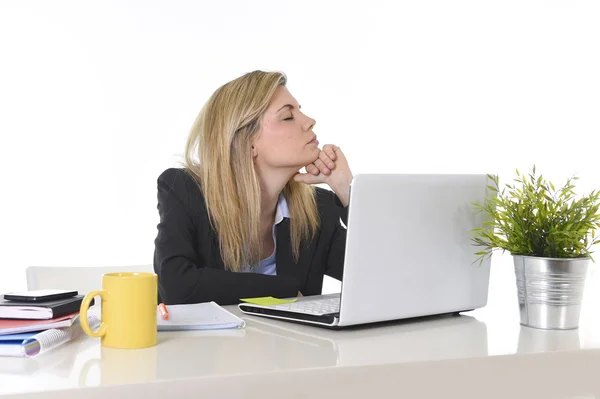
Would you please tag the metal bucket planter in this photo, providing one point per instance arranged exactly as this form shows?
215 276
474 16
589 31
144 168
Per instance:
550 291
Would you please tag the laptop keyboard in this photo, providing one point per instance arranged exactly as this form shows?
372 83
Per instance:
315 307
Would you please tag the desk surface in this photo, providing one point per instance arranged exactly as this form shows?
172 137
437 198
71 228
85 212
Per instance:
278 350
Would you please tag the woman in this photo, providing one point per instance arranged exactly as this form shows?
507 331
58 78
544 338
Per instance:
240 220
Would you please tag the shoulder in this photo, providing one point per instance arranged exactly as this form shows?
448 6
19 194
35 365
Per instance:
181 184
177 179
175 176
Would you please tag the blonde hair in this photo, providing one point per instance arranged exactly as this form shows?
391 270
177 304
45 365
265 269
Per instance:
218 156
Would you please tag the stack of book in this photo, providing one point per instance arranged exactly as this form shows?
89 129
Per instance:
28 329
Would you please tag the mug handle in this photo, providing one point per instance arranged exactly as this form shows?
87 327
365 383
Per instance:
83 320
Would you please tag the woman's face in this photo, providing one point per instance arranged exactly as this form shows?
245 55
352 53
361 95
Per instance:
286 139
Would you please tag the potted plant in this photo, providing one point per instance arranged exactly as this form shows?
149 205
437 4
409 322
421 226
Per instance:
549 234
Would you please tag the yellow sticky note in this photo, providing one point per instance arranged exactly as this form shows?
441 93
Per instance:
268 300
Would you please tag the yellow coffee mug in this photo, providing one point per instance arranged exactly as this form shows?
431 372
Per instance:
129 302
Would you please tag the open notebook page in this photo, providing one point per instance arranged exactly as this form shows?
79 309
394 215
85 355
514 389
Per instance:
198 316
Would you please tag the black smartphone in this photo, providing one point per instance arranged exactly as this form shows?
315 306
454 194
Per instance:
39 295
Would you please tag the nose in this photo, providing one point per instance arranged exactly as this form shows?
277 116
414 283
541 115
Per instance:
309 124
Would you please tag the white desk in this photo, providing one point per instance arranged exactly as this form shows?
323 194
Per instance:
463 356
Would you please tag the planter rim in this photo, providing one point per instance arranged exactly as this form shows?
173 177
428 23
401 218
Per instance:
553 259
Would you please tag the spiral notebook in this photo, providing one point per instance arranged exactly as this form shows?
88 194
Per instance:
30 344
198 316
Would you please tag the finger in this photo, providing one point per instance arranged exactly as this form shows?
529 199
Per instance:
322 167
313 170
307 178
323 156
330 150
338 152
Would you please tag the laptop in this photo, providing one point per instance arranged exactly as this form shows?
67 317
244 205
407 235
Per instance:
408 254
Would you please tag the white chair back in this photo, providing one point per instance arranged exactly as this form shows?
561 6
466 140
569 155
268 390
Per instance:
81 278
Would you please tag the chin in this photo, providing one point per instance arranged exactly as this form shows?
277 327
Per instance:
299 160
315 153
311 156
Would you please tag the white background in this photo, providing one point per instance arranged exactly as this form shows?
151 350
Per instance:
97 99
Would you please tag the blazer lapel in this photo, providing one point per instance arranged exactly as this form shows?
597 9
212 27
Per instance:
284 257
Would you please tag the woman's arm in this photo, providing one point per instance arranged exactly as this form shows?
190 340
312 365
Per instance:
337 249
332 168
182 275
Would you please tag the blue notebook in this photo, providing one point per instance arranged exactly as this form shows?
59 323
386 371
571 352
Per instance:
12 344
33 343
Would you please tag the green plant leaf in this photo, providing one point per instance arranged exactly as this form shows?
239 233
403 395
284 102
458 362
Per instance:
533 217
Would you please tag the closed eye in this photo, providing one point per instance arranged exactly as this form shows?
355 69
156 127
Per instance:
289 118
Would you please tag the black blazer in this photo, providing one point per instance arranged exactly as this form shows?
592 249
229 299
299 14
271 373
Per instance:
188 262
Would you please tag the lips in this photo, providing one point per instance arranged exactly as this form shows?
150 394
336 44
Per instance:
314 140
